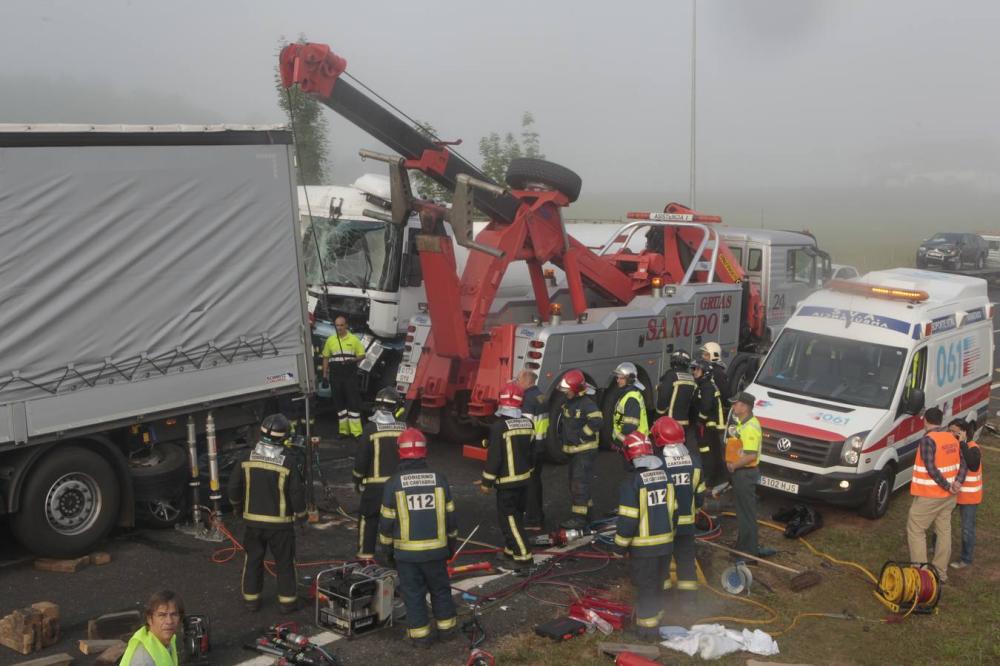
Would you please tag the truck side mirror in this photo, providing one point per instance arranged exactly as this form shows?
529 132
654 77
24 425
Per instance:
914 402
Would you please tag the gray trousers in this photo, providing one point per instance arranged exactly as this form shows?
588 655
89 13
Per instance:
745 496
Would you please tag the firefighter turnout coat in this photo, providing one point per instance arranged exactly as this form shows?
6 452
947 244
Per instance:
646 509
268 489
509 461
418 514
581 425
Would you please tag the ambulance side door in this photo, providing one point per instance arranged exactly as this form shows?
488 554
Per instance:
915 379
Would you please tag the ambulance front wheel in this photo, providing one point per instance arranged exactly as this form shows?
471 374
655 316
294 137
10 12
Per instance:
877 502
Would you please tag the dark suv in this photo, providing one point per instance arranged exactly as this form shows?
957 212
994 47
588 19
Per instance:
953 250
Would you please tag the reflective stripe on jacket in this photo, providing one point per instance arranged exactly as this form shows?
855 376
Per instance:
630 415
947 459
418 514
972 487
646 508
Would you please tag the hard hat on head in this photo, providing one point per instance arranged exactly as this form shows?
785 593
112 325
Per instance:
573 382
412 444
680 359
626 370
511 395
701 364
636 444
274 429
387 398
666 431
713 350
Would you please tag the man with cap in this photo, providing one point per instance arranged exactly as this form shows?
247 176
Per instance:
418 535
742 459
508 468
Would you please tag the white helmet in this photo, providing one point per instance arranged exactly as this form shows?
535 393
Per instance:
626 370
713 350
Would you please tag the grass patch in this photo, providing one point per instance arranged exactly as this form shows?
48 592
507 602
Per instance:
966 630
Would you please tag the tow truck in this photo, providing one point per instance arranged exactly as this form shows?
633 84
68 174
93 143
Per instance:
662 282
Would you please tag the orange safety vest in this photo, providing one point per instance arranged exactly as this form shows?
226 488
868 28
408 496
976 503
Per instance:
947 458
972 487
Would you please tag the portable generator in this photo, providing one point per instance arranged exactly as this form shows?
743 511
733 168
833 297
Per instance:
355 599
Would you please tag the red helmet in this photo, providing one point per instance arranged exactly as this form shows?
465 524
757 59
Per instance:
666 431
412 444
511 395
573 382
636 444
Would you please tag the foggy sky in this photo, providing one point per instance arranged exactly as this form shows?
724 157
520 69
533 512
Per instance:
893 95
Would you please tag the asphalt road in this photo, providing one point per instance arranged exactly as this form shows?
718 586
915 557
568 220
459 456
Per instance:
144 561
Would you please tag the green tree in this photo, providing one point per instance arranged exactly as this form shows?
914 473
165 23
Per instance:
306 116
497 152
428 188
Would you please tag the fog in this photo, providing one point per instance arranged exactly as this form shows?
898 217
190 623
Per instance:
833 115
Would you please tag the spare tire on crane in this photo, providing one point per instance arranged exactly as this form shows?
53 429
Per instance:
523 171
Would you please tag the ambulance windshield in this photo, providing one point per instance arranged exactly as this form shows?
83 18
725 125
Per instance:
850 371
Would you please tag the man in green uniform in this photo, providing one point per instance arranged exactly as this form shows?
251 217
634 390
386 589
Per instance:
745 474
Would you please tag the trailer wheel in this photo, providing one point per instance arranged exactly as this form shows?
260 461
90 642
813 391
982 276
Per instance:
526 170
69 503
159 474
164 512
877 502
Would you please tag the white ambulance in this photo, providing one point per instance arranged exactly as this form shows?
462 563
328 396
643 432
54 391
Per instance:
840 392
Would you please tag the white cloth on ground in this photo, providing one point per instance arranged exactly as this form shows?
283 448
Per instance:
711 641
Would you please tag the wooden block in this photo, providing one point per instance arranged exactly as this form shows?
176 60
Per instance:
98 646
61 659
100 559
21 630
613 649
47 608
61 566
112 654
114 625
50 622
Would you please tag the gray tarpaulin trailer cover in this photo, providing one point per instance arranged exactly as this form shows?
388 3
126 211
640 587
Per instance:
144 272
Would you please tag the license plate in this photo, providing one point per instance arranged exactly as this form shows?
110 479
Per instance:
777 484
406 374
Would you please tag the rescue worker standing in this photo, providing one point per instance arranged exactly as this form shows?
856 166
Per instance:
630 409
712 352
581 430
341 354
938 474
536 408
374 462
674 396
711 417
508 469
270 493
745 474
684 471
417 535
645 529
970 495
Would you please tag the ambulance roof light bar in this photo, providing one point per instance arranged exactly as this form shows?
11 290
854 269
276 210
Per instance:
878 291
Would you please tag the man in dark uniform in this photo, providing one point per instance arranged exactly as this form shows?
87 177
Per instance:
536 408
711 417
674 396
508 468
646 530
374 462
417 535
689 489
712 352
581 430
270 493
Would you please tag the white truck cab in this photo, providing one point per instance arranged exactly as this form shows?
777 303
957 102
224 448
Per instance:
840 394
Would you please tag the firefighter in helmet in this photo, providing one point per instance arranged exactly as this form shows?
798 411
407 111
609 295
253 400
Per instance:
374 462
674 396
712 352
630 409
707 409
536 408
508 469
417 535
581 431
645 529
684 471
268 490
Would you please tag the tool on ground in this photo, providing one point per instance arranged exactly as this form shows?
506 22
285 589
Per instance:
354 599
737 579
908 587
265 646
561 629
474 629
802 579
465 541
560 537
614 613
469 568
196 644
631 659
591 618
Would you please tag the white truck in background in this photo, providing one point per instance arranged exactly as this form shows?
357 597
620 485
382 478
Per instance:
149 277
840 394
372 272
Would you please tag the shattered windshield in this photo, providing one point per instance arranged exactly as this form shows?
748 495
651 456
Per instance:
355 253
855 372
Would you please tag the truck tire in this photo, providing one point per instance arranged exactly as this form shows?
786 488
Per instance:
69 503
164 512
877 502
160 474
741 373
525 170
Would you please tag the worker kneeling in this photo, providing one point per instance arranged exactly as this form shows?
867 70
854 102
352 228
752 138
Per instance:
417 535
685 476
508 467
646 529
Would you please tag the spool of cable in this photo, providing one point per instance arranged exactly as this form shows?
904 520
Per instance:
908 588
737 579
